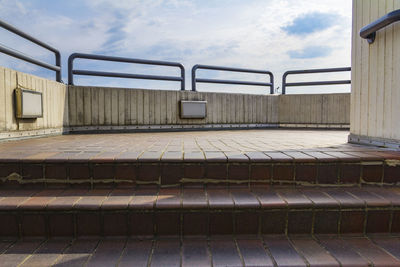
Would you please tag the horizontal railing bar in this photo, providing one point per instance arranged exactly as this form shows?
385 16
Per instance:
27 58
369 32
27 36
126 75
74 56
318 70
232 69
319 83
124 59
289 72
198 66
232 82
17 54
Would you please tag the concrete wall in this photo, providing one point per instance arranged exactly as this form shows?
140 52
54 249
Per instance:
97 106
55 108
315 110
375 96
78 108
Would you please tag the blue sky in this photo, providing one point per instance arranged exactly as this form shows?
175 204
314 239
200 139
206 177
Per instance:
275 35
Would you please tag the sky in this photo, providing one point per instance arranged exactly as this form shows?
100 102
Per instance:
274 35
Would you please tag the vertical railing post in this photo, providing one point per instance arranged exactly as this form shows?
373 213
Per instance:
183 78
284 83
58 63
271 76
194 77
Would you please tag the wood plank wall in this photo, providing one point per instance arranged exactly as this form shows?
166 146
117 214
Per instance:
55 98
375 96
92 106
315 109
97 106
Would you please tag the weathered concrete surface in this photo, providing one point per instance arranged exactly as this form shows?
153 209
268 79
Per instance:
82 108
97 106
55 105
318 109
92 106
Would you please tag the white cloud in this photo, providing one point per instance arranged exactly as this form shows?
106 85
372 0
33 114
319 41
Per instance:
231 33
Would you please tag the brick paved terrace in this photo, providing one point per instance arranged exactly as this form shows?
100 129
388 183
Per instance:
177 158
266 197
183 188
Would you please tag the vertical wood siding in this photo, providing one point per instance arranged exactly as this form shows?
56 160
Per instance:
92 106
55 102
375 96
125 107
97 106
314 109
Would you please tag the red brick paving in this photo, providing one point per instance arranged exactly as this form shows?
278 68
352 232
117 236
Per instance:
245 156
219 210
221 198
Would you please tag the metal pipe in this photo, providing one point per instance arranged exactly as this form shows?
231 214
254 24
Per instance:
232 82
194 79
74 56
126 75
319 83
21 56
285 84
27 58
369 32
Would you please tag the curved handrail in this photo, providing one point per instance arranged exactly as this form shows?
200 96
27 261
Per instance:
208 67
17 54
73 56
369 32
285 84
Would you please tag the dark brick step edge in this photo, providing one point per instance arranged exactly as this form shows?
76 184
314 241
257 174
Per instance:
217 251
175 173
228 221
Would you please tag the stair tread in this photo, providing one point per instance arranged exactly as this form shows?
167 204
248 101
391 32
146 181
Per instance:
247 157
268 250
202 210
234 197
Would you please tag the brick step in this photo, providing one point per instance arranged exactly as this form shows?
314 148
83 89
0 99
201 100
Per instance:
177 168
195 211
377 250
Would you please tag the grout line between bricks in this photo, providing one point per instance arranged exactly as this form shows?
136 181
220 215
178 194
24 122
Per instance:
266 248
153 244
298 251
358 252
122 252
67 247
326 250
33 252
238 251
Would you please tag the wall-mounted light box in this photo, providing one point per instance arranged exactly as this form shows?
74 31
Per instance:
193 109
28 104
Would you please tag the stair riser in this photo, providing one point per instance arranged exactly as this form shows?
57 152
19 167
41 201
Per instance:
64 173
189 222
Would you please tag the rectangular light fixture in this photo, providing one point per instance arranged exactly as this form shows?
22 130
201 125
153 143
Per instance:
193 109
28 104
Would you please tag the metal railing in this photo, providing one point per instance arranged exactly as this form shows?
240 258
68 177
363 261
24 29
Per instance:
17 54
286 84
200 80
369 32
74 56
